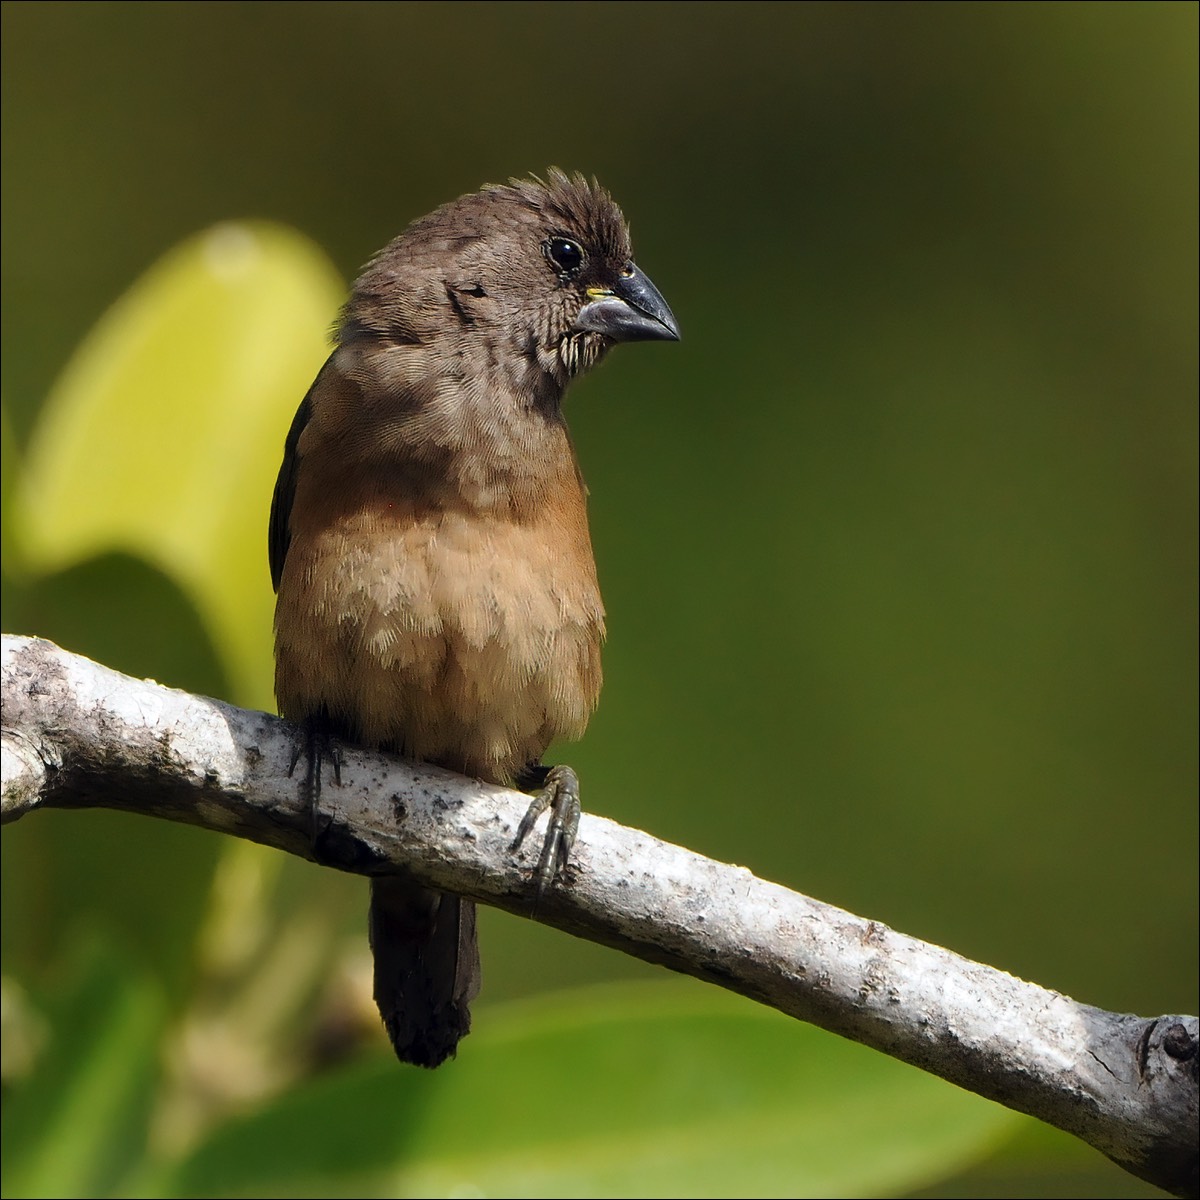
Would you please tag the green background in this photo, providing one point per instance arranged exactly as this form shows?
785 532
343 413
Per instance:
898 544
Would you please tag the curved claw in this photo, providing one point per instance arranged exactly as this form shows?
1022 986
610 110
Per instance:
559 792
317 745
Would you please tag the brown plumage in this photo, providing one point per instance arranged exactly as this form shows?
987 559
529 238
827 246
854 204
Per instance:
437 594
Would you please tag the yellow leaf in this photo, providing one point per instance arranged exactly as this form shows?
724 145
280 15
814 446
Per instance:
163 434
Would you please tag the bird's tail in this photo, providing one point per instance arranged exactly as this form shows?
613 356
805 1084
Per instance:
426 968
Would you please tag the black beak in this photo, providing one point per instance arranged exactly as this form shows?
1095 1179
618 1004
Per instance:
631 311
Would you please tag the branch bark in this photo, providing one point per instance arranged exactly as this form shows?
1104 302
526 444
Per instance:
77 735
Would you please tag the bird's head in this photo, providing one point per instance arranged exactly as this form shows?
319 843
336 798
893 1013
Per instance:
538 274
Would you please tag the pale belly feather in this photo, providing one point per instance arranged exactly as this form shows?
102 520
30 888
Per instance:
452 640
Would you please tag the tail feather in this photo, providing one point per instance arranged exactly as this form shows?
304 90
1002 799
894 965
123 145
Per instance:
426 968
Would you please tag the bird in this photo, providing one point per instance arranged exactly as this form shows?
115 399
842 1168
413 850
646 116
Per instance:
436 591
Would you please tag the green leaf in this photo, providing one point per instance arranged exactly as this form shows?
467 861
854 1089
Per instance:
649 1090
77 1126
164 432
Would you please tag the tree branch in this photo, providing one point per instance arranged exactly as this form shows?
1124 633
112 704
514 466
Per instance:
78 735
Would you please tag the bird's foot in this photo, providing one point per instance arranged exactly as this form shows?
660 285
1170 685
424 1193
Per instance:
557 790
317 745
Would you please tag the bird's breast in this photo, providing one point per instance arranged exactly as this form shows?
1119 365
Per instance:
465 638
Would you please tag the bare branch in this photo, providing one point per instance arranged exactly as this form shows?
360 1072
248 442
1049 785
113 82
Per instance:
79 735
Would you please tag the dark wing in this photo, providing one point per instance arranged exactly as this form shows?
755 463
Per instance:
279 533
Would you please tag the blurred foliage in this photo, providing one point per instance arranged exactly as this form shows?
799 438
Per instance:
899 549
172 398
708 1074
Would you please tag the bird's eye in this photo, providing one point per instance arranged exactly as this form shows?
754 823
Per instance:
565 254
